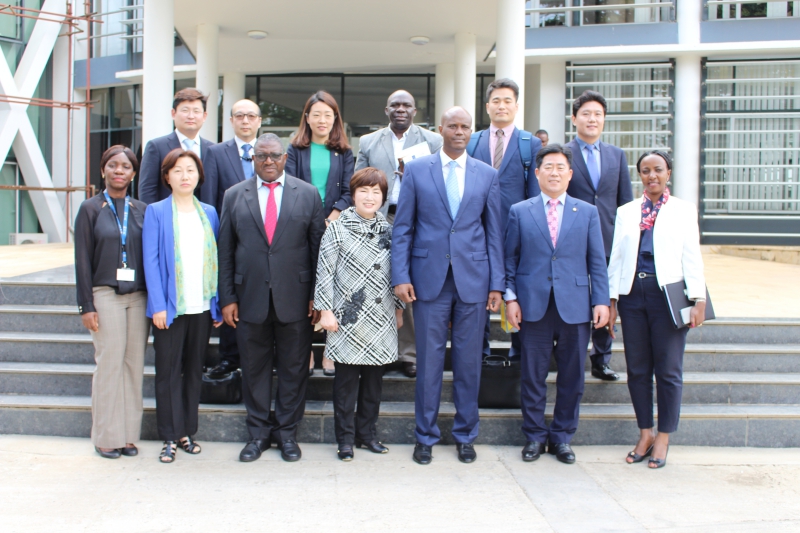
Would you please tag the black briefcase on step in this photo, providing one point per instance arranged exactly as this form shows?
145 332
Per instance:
500 383
227 389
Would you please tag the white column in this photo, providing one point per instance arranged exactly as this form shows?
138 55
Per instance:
445 90
158 62
686 168
232 92
208 76
532 100
465 71
60 135
510 47
688 75
552 94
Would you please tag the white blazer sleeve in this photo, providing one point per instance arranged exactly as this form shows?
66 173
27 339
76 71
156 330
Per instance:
617 255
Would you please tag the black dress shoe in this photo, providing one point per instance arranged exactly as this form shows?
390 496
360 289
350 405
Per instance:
252 450
466 453
562 451
532 451
374 446
423 454
345 452
290 451
129 451
224 368
410 370
604 372
113 454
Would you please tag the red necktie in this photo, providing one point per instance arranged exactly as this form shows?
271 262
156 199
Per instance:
271 215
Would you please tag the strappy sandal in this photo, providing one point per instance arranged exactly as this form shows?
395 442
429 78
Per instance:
638 458
190 446
168 451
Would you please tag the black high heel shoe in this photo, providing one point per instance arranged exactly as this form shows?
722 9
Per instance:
639 458
345 452
374 446
659 463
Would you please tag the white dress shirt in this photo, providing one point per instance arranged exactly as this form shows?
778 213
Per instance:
263 195
239 144
195 148
461 169
398 145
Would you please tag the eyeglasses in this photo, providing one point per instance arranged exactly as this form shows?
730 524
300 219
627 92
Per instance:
261 157
249 116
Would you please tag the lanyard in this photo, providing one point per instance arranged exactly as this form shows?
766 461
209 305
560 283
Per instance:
123 226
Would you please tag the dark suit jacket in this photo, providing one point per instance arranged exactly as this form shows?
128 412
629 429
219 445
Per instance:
613 190
223 168
426 240
575 270
249 267
511 173
151 188
337 191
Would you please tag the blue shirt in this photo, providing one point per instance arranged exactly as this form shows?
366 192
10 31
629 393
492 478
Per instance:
584 148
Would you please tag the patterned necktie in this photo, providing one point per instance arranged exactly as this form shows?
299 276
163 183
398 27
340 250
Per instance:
591 162
552 220
453 197
247 161
498 150
189 144
271 214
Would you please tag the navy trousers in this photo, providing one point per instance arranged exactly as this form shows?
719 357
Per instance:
431 319
537 340
652 346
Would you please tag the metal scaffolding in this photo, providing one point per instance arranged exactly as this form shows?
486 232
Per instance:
74 24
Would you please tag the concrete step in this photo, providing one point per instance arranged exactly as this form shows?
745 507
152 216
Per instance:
701 425
26 293
58 379
77 348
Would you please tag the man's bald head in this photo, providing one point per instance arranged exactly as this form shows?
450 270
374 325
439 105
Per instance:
456 128
401 109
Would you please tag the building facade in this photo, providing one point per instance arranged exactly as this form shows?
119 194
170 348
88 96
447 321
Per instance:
715 82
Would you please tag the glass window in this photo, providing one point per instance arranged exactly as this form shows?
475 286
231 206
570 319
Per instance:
365 100
99 109
123 114
9 24
281 99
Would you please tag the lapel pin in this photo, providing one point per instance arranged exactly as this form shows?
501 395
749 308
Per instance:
574 208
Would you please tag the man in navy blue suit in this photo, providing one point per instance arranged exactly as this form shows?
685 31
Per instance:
447 258
557 238
499 146
189 114
601 179
227 164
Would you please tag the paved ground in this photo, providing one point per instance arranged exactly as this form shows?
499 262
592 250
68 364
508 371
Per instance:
60 484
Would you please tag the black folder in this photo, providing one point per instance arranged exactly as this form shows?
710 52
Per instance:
675 293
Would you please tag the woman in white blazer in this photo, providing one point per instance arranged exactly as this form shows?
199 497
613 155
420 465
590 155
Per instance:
656 242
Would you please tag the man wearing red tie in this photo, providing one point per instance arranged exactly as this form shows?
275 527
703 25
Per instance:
270 232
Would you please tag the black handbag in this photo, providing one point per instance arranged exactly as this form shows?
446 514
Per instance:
227 389
500 383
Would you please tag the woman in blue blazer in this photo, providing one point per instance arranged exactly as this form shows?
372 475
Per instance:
180 263
320 155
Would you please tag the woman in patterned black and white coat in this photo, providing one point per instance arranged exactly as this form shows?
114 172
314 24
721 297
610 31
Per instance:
359 310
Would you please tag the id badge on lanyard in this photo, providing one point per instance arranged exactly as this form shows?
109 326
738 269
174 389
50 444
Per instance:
124 273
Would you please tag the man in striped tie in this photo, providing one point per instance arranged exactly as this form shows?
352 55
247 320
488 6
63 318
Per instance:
189 114
269 236
556 288
447 258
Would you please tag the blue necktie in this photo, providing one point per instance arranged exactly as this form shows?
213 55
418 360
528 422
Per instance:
591 162
189 144
452 189
247 161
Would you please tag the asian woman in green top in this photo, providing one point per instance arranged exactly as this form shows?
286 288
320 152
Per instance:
321 155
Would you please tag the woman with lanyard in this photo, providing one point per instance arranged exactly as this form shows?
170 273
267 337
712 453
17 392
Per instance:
180 262
656 242
320 155
109 276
